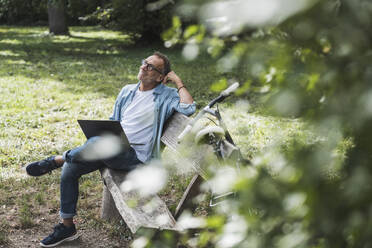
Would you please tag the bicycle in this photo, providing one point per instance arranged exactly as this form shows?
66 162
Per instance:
218 137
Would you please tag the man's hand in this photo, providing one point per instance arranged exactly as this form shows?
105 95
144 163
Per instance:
184 94
172 77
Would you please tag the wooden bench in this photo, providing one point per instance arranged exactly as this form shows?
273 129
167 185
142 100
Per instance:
116 202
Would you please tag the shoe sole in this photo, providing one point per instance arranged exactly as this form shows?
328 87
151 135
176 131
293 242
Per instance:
36 170
72 238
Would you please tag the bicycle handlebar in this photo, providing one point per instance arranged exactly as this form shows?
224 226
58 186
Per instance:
224 94
231 89
220 98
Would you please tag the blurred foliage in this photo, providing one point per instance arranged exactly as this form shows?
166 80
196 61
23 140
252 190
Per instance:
141 18
145 20
36 11
80 8
312 63
23 12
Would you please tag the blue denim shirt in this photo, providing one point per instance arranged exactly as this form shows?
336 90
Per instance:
166 100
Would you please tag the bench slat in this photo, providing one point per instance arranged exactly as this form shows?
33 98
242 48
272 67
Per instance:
172 129
140 214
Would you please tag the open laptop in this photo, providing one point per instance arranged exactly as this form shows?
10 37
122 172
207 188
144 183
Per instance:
93 128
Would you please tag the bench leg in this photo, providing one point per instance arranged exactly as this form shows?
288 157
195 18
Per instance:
192 190
109 211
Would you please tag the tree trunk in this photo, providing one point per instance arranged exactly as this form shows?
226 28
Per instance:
57 17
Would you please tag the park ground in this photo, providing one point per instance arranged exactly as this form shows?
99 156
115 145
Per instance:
48 82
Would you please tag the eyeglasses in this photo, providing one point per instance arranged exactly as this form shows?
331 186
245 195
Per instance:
150 67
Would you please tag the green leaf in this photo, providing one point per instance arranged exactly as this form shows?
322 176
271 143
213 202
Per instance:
219 85
244 88
313 80
215 221
190 31
176 22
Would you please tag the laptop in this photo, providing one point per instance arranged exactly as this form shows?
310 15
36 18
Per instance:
93 128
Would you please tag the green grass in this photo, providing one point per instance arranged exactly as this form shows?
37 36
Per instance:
48 82
4 228
25 212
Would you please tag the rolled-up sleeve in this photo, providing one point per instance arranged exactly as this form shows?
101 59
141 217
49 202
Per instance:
183 108
186 108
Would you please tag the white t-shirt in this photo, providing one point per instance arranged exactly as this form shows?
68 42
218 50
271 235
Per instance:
137 121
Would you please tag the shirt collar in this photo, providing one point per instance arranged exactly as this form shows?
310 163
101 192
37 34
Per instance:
158 89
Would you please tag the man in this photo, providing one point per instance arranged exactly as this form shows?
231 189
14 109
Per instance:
142 110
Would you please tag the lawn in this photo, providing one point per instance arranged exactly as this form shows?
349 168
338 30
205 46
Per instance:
48 82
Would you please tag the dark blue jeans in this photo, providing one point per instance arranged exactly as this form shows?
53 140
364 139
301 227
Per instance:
75 166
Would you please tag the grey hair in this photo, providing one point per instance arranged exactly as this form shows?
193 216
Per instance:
166 62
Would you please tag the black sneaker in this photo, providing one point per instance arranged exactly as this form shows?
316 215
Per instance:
61 233
42 167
